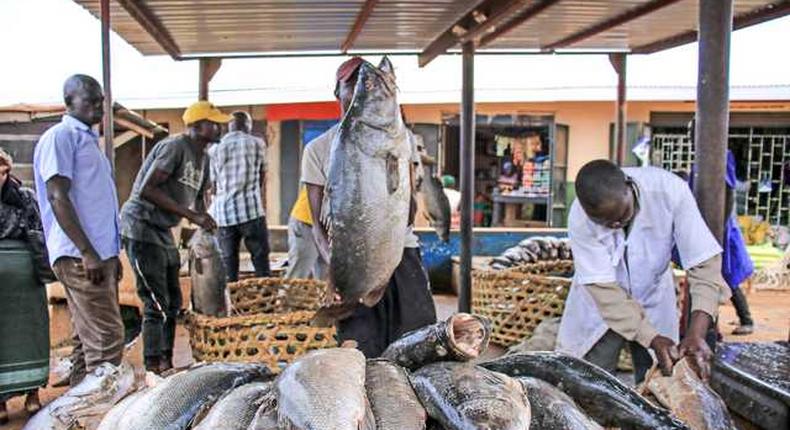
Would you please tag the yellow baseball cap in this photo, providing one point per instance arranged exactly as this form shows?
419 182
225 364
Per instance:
204 110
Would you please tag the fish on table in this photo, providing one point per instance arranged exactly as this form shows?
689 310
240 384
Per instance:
237 408
392 399
368 188
174 403
463 396
602 396
324 390
462 337
552 409
84 405
207 275
690 399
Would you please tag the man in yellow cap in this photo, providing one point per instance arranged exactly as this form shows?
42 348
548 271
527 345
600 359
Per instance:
169 186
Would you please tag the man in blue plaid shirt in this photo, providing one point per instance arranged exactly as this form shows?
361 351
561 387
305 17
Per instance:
238 175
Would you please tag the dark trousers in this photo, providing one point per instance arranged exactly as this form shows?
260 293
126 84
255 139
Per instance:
407 305
606 354
156 271
256 238
738 300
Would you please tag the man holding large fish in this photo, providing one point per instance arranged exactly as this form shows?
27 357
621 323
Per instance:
359 177
622 228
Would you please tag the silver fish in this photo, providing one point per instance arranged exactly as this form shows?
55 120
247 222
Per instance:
84 405
237 408
208 275
173 403
266 416
113 418
462 396
436 205
324 390
368 188
554 410
392 399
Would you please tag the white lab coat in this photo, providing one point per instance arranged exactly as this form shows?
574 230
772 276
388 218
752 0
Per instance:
668 216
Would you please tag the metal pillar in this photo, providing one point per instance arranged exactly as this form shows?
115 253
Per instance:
713 98
618 61
109 129
467 174
208 67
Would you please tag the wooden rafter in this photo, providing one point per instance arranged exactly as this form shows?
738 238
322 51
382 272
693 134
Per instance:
359 24
522 17
138 10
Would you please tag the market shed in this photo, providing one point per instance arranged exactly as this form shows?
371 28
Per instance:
215 29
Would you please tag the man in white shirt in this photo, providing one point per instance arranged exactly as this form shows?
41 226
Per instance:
407 303
623 226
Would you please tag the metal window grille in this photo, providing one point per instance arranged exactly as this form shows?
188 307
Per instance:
767 165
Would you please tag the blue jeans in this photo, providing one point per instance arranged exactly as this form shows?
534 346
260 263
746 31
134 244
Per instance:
256 238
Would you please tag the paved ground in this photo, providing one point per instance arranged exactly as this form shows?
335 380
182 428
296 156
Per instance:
768 308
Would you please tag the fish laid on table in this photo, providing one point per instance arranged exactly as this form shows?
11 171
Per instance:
207 274
607 400
324 390
237 408
173 403
461 337
690 399
368 188
392 399
437 206
554 410
113 418
84 405
462 396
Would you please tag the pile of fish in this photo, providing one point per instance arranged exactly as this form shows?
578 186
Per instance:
533 250
428 379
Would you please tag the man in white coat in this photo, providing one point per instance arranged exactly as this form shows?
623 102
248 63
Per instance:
623 226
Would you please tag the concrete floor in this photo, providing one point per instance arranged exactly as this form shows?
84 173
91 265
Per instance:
769 309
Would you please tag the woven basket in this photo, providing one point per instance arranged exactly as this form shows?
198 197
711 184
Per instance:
271 324
516 300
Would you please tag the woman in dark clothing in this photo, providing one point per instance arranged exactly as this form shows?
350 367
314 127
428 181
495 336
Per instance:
24 322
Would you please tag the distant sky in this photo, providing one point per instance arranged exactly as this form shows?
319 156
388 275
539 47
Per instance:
44 41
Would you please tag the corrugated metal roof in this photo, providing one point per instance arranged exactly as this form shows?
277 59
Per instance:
225 27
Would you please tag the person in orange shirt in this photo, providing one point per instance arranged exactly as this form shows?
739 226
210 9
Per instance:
303 258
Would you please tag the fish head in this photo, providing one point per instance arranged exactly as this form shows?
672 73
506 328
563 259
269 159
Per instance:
375 102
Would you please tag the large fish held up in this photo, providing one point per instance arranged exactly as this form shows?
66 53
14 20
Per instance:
462 396
368 188
84 405
607 400
689 398
208 276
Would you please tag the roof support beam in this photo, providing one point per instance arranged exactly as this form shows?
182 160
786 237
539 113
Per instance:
108 126
478 23
768 12
467 154
138 10
208 68
359 23
618 61
610 23
518 20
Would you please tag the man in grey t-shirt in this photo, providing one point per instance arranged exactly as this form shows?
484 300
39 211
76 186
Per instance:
169 186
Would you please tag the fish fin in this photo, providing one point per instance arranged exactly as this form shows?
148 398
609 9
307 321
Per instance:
326 316
393 174
386 66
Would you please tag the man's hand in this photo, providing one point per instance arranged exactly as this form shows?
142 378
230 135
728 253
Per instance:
666 353
694 346
204 220
92 265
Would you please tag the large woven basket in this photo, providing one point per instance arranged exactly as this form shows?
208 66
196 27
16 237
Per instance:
270 325
516 300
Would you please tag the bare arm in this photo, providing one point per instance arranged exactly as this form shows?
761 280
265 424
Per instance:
315 195
58 196
153 192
